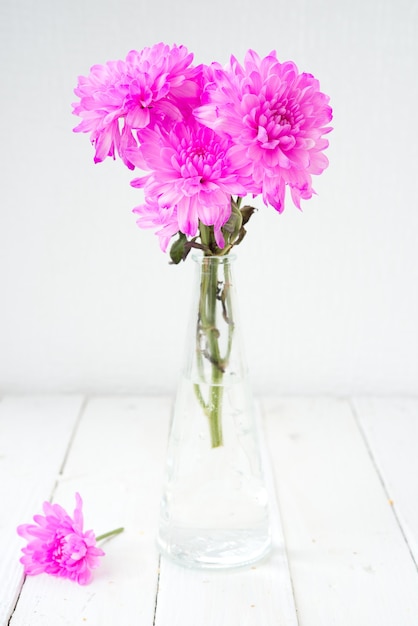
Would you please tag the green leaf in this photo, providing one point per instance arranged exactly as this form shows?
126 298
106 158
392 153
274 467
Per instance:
233 226
178 249
246 213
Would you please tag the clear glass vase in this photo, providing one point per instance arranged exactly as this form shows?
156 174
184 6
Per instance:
214 507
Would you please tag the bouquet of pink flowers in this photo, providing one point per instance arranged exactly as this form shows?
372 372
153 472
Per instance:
204 137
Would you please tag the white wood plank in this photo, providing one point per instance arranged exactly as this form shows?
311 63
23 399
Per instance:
258 595
116 463
35 433
390 426
348 559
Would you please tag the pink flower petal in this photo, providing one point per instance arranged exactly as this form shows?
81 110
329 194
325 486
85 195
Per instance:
57 544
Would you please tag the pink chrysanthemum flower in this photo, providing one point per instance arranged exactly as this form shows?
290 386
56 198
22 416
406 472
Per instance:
58 546
101 106
151 215
193 170
277 119
155 85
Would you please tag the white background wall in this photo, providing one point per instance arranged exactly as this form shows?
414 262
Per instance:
328 297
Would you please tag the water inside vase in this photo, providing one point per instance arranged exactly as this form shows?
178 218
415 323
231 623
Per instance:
214 509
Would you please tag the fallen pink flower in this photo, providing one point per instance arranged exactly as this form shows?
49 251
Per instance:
58 545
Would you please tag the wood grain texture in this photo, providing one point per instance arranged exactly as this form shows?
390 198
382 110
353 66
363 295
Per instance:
35 434
343 473
390 426
348 559
116 463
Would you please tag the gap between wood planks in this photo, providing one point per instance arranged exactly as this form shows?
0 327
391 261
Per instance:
60 473
369 449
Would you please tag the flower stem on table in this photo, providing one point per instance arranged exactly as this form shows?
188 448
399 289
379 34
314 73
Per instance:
110 533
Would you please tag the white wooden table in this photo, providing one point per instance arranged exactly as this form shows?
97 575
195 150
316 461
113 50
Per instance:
344 475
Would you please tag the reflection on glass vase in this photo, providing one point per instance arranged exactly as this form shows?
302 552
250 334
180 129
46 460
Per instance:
214 507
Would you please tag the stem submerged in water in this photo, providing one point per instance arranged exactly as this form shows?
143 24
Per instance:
213 308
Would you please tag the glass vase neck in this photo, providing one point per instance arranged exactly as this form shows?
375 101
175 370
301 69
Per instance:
207 260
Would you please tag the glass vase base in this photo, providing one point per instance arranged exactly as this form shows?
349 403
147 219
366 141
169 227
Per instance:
206 549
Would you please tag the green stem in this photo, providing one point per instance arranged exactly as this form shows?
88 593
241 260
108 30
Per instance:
228 310
210 300
111 533
212 333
